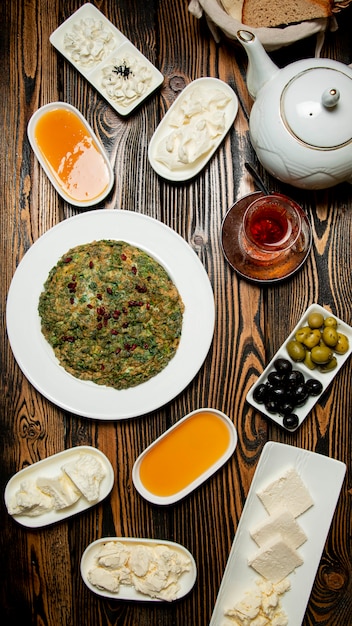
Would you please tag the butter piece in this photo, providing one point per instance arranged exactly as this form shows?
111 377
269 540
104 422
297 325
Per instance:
61 489
287 492
282 523
29 500
275 560
87 473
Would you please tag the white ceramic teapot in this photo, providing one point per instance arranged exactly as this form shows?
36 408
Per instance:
301 121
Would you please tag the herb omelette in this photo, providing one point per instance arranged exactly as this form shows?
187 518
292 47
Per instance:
111 313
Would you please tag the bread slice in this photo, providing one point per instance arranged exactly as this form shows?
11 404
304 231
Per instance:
259 13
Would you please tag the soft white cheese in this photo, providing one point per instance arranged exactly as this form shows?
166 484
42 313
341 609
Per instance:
86 473
152 570
104 579
61 489
196 124
260 605
287 492
281 523
275 560
29 500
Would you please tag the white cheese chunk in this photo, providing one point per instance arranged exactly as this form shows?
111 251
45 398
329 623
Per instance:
61 489
104 579
86 472
282 523
260 605
287 492
275 560
29 500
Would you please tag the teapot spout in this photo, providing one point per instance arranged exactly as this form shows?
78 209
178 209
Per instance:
260 67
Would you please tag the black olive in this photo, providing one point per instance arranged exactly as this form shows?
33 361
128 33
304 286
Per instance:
283 366
278 393
295 378
260 393
314 387
275 379
286 408
271 406
301 395
291 421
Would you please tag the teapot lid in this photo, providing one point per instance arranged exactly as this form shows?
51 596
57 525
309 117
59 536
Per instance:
316 107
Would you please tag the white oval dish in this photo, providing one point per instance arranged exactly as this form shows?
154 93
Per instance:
46 167
128 592
51 467
170 499
325 378
165 128
119 45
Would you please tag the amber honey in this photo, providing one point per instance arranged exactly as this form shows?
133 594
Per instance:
71 154
184 454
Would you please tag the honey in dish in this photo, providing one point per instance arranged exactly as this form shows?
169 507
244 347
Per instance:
71 154
184 454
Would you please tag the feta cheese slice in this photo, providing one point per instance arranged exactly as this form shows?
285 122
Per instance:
87 473
281 523
29 500
287 492
275 560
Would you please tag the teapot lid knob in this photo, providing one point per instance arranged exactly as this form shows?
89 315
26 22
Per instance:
330 98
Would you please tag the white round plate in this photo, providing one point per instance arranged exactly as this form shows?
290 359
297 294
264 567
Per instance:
35 356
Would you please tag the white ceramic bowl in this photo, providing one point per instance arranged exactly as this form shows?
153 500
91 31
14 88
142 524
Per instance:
204 475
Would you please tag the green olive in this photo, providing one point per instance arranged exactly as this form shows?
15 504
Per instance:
296 350
321 355
329 366
342 344
302 333
315 319
330 321
312 339
308 361
330 336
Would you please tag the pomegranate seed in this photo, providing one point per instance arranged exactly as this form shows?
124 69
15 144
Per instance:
101 310
123 257
125 325
91 264
72 300
90 306
68 259
134 269
99 326
109 290
99 296
118 350
116 314
114 332
140 288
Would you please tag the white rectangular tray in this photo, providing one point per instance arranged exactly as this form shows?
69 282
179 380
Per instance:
325 378
120 45
323 477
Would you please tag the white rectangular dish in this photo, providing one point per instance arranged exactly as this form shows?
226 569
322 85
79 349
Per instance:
193 129
106 58
324 377
125 591
51 467
323 478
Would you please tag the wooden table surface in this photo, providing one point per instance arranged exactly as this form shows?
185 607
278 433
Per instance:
40 576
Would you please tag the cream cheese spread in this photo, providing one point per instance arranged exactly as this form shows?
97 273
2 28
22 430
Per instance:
89 42
261 605
126 79
196 124
152 570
